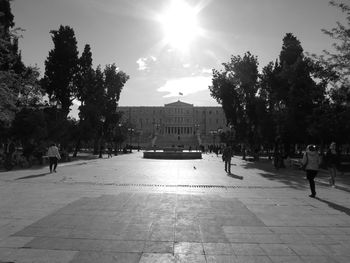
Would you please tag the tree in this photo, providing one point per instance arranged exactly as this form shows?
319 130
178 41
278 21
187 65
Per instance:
19 87
337 71
339 59
61 67
93 108
297 93
236 88
29 127
85 81
114 82
6 19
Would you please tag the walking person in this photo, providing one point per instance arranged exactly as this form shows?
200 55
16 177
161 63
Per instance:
226 156
332 161
311 162
110 151
54 156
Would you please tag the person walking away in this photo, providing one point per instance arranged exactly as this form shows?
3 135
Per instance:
54 156
311 162
227 155
332 161
110 150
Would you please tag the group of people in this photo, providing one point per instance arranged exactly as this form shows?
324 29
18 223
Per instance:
311 162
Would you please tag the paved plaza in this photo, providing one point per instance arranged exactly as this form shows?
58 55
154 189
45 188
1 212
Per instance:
130 209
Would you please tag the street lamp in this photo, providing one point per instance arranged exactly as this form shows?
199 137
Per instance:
139 133
130 130
157 128
118 138
232 133
102 119
214 135
196 126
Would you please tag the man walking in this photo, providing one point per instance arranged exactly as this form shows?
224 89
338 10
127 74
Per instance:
54 156
226 156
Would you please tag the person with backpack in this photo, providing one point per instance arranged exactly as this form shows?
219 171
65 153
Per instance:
311 162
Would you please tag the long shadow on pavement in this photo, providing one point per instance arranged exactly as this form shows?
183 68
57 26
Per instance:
33 176
235 176
293 179
335 206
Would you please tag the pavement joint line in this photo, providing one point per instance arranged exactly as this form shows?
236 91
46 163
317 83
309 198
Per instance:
187 186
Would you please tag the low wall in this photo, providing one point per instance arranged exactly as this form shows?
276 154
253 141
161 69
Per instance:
172 155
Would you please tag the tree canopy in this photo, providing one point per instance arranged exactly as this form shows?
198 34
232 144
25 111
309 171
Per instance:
61 67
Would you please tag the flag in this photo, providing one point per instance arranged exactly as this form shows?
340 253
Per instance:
180 93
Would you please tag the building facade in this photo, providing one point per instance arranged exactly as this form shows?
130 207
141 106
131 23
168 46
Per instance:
175 123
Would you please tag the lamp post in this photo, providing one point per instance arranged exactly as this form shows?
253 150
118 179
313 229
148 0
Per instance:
118 137
157 128
219 132
214 135
232 133
139 132
196 126
197 133
130 130
102 119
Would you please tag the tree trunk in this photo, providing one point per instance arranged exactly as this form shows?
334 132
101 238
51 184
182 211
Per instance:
96 143
77 147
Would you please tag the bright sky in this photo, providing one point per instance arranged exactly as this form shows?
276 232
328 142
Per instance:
170 46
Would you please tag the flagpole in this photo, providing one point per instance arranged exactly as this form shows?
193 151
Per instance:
180 94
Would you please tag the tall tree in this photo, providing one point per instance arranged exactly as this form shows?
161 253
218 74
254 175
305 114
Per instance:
6 19
18 84
86 93
337 109
114 80
297 92
61 67
235 88
339 59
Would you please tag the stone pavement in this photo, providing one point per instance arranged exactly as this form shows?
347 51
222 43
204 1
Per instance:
130 209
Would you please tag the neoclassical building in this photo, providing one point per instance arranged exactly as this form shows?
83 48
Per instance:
176 123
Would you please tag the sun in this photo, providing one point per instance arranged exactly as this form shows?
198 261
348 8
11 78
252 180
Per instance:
180 26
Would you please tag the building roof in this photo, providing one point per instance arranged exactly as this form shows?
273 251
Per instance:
178 104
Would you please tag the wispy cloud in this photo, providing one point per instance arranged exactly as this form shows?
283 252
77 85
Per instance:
186 85
144 63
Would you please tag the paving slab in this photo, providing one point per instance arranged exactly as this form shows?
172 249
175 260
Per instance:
130 209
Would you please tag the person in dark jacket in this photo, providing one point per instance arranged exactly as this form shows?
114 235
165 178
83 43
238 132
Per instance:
226 157
332 161
311 162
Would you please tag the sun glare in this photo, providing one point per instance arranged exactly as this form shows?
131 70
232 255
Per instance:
180 25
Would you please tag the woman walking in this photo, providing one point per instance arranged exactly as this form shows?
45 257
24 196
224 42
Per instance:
311 162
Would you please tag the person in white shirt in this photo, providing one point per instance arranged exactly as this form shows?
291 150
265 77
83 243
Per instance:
311 163
54 156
